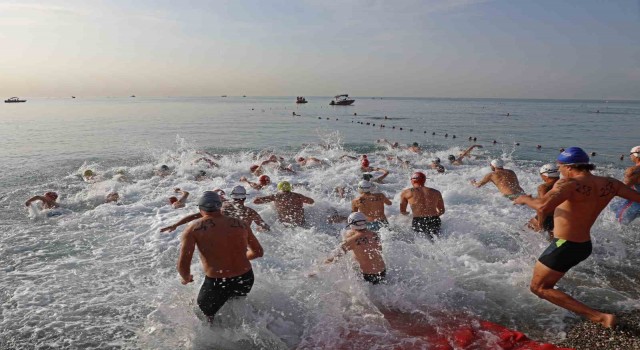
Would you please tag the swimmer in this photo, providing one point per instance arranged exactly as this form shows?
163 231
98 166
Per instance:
88 175
364 167
550 175
221 193
415 148
226 246
366 248
258 170
458 161
627 211
392 145
112 197
435 164
179 203
426 204
309 161
371 205
579 197
289 205
263 181
211 163
48 200
505 180
201 175
163 171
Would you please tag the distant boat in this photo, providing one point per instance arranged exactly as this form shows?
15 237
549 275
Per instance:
223 96
73 97
14 100
133 95
301 99
342 100
244 95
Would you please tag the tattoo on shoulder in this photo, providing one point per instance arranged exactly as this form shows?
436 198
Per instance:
204 225
608 189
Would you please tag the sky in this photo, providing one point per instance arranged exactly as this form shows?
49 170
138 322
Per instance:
573 49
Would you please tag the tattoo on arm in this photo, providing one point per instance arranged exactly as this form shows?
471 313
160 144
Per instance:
608 189
204 225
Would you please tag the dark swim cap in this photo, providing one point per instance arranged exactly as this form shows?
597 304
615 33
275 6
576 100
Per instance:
452 157
210 201
573 155
367 177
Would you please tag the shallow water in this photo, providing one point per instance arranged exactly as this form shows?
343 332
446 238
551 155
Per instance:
102 276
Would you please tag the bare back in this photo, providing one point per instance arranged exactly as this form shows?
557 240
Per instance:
371 205
239 211
222 243
367 250
424 201
506 181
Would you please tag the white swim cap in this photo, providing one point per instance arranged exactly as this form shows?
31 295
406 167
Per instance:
357 221
497 163
365 186
635 150
238 192
550 170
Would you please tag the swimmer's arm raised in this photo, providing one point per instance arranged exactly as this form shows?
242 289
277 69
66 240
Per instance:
182 221
33 199
254 249
385 172
466 153
187 247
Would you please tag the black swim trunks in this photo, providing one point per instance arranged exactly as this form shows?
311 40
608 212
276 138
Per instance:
375 278
561 255
216 291
429 226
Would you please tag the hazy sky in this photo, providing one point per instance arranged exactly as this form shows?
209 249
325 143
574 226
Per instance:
430 48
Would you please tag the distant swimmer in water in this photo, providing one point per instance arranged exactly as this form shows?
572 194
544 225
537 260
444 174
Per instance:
234 209
181 202
258 170
458 161
414 147
627 211
309 161
201 175
48 200
210 162
366 248
88 175
426 204
550 174
112 197
371 205
226 246
435 164
579 198
163 171
263 181
289 205
505 180
364 167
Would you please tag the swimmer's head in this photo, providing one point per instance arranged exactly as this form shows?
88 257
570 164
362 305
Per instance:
357 221
573 156
364 186
549 170
254 168
120 172
635 152
418 178
88 173
367 176
239 192
300 159
365 162
415 144
435 160
210 202
164 167
284 186
173 200
264 180
396 144
497 163
112 197
51 195
202 173
451 158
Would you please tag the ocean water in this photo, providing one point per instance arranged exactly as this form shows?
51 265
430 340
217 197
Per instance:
103 276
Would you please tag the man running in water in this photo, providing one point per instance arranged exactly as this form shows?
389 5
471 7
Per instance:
48 200
371 205
233 209
426 204
289 205
505 180
550 175
366 248
627 211
226 246
458 161
579 198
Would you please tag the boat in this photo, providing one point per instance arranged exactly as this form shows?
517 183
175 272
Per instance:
223 96
73 97
133 95
301 99
14 100
342 100
244 95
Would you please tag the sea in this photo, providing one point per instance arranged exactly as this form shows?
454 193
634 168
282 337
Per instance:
95 275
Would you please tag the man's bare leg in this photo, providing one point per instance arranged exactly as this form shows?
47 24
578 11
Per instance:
542 283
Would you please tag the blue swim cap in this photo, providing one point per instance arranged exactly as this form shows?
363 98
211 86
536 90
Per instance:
573 155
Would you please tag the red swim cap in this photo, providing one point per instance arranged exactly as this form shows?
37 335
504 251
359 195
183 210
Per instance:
52 195
264 179
365 162
418 178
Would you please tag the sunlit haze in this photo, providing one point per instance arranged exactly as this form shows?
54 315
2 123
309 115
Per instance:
439 48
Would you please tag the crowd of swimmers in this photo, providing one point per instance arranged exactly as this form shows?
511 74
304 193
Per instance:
568 202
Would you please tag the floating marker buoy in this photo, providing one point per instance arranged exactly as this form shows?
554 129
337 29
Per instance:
352 121
410 129
446 135
393 127
385 117
433 133
327 118
425 131
319 118
336 118
470 138
474 139
454 136
593 154
374 124
517 143
368 123
400 128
